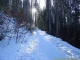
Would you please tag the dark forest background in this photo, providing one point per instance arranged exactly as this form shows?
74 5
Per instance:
60 18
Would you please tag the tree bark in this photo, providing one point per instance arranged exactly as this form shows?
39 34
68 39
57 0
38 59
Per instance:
48 12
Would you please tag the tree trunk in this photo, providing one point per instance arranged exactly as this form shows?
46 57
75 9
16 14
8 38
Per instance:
27 13
48 6
57 19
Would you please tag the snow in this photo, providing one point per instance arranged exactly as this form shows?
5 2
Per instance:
39 45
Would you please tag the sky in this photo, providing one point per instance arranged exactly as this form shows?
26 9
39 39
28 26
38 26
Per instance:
41 3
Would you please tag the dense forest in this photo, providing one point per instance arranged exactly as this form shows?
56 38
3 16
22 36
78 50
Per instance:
60 18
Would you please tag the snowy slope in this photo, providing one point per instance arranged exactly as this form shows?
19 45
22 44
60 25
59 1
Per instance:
36 46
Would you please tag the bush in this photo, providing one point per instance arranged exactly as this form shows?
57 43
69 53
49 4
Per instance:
2 30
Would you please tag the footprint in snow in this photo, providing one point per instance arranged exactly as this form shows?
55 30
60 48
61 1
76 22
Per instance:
69 52
26 57
41 32
65 49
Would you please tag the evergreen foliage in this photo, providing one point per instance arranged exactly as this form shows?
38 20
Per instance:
64 21
61 19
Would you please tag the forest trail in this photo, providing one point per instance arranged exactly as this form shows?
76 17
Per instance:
55 48
41 48
36 46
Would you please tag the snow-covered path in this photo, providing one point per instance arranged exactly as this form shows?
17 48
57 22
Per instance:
42 48
36 46
49 49
39 46
53 50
